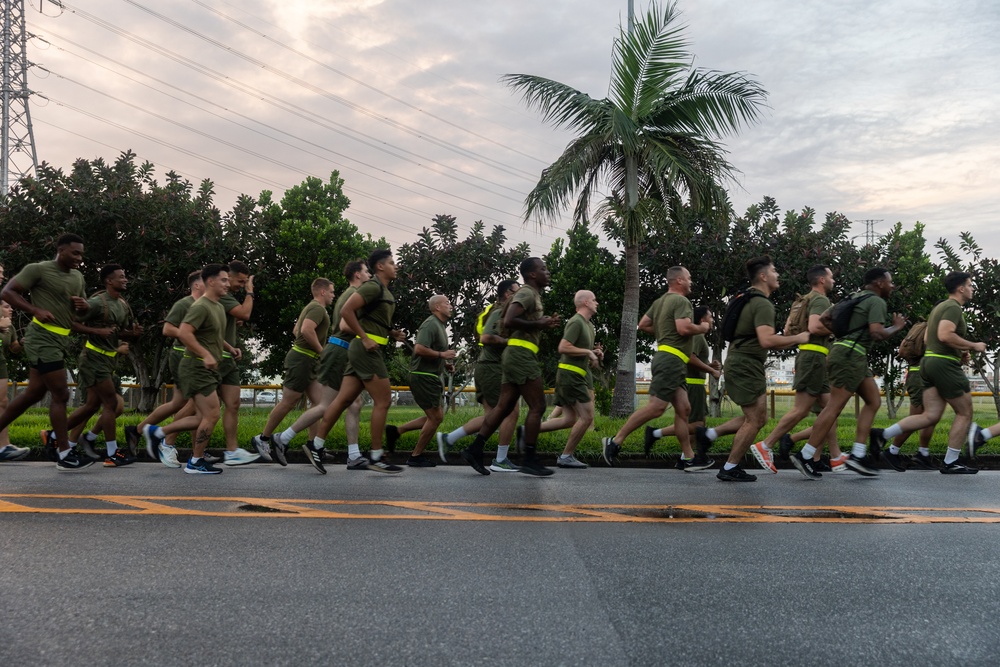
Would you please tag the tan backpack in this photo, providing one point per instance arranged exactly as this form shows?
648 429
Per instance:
798 318
914 345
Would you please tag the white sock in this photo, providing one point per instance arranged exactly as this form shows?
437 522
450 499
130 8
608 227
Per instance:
72 444
317 442
924 451
859 450
456 435
502 452
112 447
658 433
986 434
893 449
712 435
194 460
90 435
63 453
951 455
729 466
892 431
808 451
158 432
353 451
287 435
376 454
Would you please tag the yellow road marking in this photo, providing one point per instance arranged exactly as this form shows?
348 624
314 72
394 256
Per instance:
459 511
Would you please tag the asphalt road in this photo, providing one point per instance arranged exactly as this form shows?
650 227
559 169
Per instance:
520 585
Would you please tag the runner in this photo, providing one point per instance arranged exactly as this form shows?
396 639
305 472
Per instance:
8 343
944 381
56 291
746 381
487 377
915 390
849 373
229 388
332 362
574 380
669 321
521 377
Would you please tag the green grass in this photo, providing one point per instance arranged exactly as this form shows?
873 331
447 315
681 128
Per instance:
24 432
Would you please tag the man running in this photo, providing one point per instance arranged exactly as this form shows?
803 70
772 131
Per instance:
56 291
914 385
488 376
229 388
849 373
8 343
574 380
943 379
525 320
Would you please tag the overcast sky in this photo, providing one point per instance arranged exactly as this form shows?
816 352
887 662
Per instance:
882 110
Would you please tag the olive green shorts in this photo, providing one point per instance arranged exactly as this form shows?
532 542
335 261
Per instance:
699 402
365 365
488 379
669 374
915 387
174 364
847 368
44 347
426 390
519 366
299 371
94 368
746 381
332 363
572 388
229 372
810 373
944 375
195 379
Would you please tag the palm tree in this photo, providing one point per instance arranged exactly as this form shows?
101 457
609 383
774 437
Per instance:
650 144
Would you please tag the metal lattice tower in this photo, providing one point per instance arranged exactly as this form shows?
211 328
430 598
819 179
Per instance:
17 142
870 235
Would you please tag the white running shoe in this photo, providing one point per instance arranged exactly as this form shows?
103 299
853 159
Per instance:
168 456
239 457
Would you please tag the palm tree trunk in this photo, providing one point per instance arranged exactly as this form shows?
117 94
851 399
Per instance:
623 401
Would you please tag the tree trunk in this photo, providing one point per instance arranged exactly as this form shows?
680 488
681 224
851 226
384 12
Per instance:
149 386
714 386
623 401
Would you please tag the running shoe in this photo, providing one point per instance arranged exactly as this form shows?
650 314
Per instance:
785 446
442 440
12 453
152 441
610 450
702 442
168 456
976 439
533 467
357 463
683 463
314 457
519 438
822 465
570 461
862 466
280 449
132 440
648 440
474 460
383 466
49 445
87 447
391 436
764 456
210 458
421 461
118 459
957 468
700 462
876 442
737 474
503 466
894 461
237 457
73 463
805 466
922 462
262 446
201 468
839 464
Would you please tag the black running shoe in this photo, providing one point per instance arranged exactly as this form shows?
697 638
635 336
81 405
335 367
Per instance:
862 466
683 463
73 463
805 466
976 439
648 441
894 461
610 450
921 462
391 436
876 442
132 440
701 439
475 461
118 459
957 468
49 446
821 466
785 446
700 462
314 457
421 461
737 474
533 467
383 466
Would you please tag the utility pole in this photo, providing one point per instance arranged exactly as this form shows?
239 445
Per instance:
870 235
17 142
631 16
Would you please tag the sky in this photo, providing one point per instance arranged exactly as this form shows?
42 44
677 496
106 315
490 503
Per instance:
883 111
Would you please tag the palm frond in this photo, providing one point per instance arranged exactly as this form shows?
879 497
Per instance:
559 104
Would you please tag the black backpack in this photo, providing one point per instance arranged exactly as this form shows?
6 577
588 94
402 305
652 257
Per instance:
732 317
840 315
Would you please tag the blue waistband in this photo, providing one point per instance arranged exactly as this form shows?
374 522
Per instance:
339 341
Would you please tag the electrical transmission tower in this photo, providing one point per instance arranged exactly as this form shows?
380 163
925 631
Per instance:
18 139
870 235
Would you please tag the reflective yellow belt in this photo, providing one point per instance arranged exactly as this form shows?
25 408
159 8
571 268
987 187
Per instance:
696 381
98 350
378 339
188 355
809 347
50 327
179 349
226 355
852 345
573 369
914 369
674 351
943 356
526 344
430 375
308 353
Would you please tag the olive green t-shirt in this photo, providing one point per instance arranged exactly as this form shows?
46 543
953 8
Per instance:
107 312
316 312
757 312
375 316
50 288
529 299
335 320
431 334
818 304
699 348
948 310
872 309
229 302
5 340
209 321
491 354
664 312
177 313
580 333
